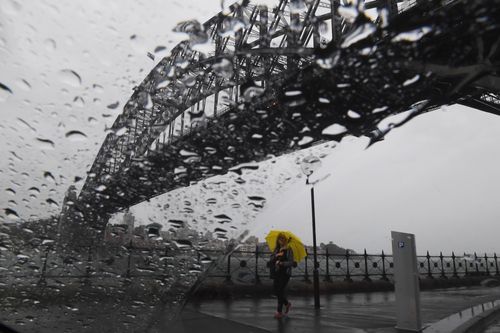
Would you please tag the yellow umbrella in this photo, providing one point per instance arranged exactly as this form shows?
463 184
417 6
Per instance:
294 242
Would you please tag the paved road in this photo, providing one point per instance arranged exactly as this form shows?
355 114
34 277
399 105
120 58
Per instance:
362 312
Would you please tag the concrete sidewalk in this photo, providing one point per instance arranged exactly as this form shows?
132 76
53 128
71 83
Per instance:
361 312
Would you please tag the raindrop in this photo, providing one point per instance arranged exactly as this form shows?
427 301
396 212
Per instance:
223 218
98 88
297 6
350 13
353 114
206 260
52 203
45 144
335 129
11 214
305 140
23 84
183 243
211 201
79 102
151 56
380 109
230 26
11 191
100 188
411 81
113 105
358 34
159 48
49 177
92 120
256 198
5 92
11 7
176 223
34 190
412 35
223 68
186 153
50 44
70 77
76 136
257 136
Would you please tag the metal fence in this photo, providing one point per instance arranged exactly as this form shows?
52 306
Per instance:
250 266
246 267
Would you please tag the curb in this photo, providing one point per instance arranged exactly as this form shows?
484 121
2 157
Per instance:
480 322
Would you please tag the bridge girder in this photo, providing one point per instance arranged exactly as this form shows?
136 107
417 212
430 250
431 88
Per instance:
279 68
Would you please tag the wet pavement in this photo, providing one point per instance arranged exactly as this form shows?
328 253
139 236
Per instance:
360 312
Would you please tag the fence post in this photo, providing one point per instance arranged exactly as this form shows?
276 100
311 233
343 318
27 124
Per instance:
88 269
347 274
455 275
429 272
42 281
486 264
257 278
384 275
306 274
466 264
127 274
367 274
443 275
228 271
477 265
497 273
327 276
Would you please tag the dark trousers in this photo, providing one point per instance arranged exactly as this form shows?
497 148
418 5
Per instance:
280 282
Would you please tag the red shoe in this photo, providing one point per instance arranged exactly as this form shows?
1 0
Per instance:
287 307
278 315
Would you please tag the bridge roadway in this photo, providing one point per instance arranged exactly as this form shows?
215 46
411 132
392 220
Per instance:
139 312
342 313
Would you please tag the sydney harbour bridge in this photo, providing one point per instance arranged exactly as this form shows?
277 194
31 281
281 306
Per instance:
254 82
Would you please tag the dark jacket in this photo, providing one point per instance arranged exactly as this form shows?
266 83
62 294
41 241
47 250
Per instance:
286 260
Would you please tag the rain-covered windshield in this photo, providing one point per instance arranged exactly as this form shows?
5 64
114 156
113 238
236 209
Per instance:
143 143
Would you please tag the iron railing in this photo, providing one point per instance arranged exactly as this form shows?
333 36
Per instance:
240 266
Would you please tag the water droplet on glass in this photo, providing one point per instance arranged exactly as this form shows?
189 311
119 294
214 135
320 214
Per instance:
45 144
79 102
11 214
353 114
297 6
223 68
52 203
350 13
223 218
23 84
334 129
70 77
5 92
411 81
113 106
49 177
76 136
412 35
305 140
50 44
100 188
360 33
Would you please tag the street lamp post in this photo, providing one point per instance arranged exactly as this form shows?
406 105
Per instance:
309 165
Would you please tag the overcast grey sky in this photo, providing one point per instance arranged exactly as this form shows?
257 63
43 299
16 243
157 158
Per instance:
436 176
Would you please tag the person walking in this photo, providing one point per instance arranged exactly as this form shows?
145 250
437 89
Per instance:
282 262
